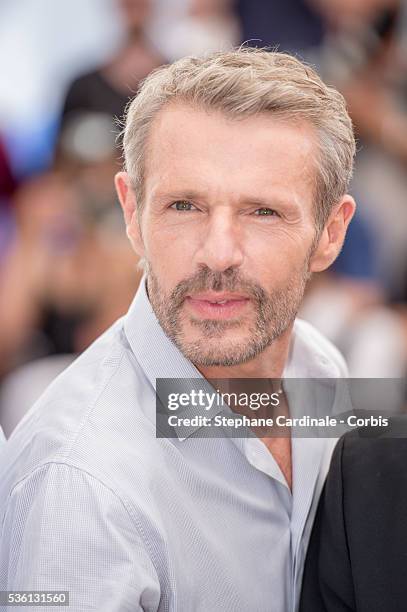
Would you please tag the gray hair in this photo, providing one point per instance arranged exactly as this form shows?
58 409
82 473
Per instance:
241 83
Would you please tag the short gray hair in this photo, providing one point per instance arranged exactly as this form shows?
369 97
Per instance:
241 83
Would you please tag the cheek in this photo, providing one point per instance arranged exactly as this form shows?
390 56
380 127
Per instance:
274 256
170 252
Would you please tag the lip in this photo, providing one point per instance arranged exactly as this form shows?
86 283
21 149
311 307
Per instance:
203 305
217 296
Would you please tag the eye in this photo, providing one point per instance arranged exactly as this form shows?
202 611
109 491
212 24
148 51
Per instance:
265 212
182 205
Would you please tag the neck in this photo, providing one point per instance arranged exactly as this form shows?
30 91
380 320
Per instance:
269 364
135 35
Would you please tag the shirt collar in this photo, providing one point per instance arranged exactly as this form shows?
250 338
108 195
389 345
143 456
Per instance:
158 356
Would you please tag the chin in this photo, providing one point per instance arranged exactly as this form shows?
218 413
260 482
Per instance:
219 359
215 352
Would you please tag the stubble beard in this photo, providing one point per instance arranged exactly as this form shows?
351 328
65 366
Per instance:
274 313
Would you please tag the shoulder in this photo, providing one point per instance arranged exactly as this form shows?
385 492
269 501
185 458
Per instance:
320 349
84 80
89 414
369 455
370 469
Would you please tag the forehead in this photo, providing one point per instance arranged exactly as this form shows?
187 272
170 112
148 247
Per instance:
194 148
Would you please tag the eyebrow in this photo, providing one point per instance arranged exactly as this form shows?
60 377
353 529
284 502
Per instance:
181 195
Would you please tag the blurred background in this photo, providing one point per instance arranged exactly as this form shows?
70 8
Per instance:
67 70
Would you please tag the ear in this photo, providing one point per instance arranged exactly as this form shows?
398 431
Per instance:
128 203
333 235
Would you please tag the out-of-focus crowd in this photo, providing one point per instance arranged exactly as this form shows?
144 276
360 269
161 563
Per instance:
66 268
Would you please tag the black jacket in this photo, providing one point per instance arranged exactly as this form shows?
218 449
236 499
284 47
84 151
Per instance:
357 557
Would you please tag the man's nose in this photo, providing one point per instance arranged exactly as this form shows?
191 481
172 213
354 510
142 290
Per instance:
221 246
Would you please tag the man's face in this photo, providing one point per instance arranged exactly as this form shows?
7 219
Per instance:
226 230
135 13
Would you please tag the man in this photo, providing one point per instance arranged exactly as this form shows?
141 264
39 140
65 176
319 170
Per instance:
356 560
105 91
237 167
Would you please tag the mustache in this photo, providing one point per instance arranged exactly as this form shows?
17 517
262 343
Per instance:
208 280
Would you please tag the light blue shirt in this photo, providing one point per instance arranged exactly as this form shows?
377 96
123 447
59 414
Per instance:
91 502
